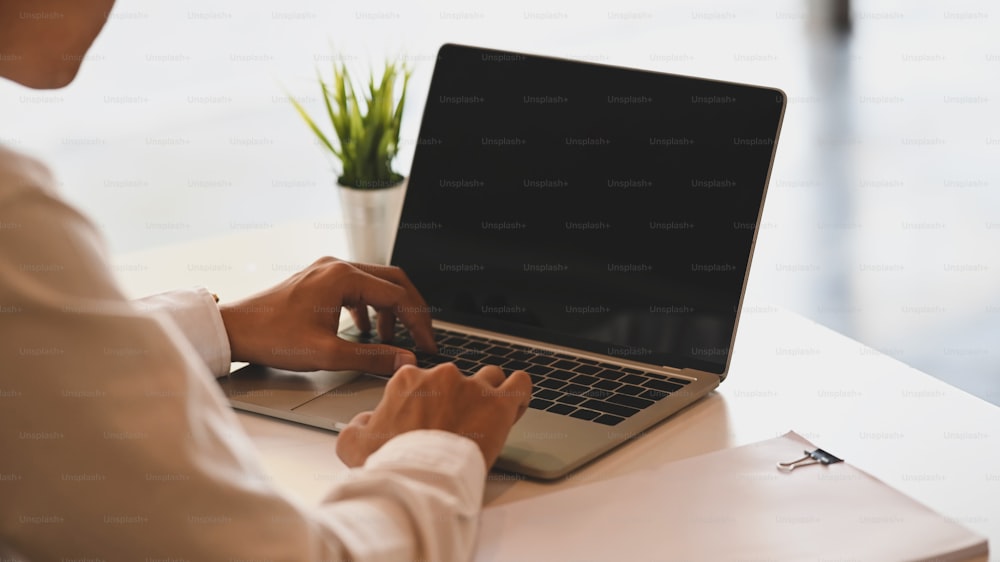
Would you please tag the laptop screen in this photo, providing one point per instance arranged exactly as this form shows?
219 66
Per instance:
596 207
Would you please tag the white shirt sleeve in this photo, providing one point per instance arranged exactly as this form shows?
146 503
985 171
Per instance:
117 444
197 315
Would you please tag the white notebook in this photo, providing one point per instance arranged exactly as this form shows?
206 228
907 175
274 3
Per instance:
732 504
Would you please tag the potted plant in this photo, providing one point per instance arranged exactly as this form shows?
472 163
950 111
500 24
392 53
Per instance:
366 142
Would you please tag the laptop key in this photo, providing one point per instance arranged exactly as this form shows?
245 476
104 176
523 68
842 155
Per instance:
676 380
630 390
562 409
494 360
547 394
453 341
564 364
466 366
631 401
574 389
587 361
520 355
598 393
542 359
588 369
607 385
654 395
663 385
607 419
584 414
538 369
570 399
539 404
477 345
633 379
550 383
425 360
631 371
563 375
610 374
516 365
609 408
471 354
583 379
497 350
450 350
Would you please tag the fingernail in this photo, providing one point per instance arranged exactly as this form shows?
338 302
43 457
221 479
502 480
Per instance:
404 359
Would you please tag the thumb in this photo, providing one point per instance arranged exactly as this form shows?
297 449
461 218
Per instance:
350 447
378 359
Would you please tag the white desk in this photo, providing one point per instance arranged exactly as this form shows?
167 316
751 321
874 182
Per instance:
933 442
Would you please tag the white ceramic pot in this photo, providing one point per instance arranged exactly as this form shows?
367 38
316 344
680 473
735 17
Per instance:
371 218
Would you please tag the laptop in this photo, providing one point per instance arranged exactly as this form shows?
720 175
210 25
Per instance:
590 224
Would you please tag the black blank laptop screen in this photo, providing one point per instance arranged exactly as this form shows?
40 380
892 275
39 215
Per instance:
596 207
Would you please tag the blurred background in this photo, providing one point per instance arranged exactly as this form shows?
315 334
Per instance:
882 219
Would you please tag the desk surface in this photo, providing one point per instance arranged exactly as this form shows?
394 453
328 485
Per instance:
930 440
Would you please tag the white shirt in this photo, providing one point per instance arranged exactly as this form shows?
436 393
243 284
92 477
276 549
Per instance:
117 444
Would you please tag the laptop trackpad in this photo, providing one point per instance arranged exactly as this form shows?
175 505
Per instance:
345 401
277 388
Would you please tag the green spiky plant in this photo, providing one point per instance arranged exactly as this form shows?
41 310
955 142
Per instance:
367 140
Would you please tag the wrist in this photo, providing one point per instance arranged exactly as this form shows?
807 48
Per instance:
232 321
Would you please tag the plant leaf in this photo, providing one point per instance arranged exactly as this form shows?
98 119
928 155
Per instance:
337 123
312 125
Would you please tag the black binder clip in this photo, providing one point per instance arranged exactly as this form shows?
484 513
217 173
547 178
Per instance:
819 456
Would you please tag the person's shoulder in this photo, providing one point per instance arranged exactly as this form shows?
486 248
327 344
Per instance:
20 173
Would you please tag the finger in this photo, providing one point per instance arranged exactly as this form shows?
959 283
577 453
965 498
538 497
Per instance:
379 359
417 320
361 420
415 315
517 388
491 375
387 272
361 319
386 325
448 369
365 288
349 447
403 380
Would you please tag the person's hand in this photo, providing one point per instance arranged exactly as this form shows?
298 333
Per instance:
482 407
294 324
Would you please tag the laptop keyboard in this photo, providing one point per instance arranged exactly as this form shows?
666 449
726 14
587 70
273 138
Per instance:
563 384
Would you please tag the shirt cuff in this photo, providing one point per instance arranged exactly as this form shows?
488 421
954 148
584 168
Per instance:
197 315
443 452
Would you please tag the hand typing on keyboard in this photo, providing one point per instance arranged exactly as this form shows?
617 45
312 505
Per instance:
482 407
294 324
